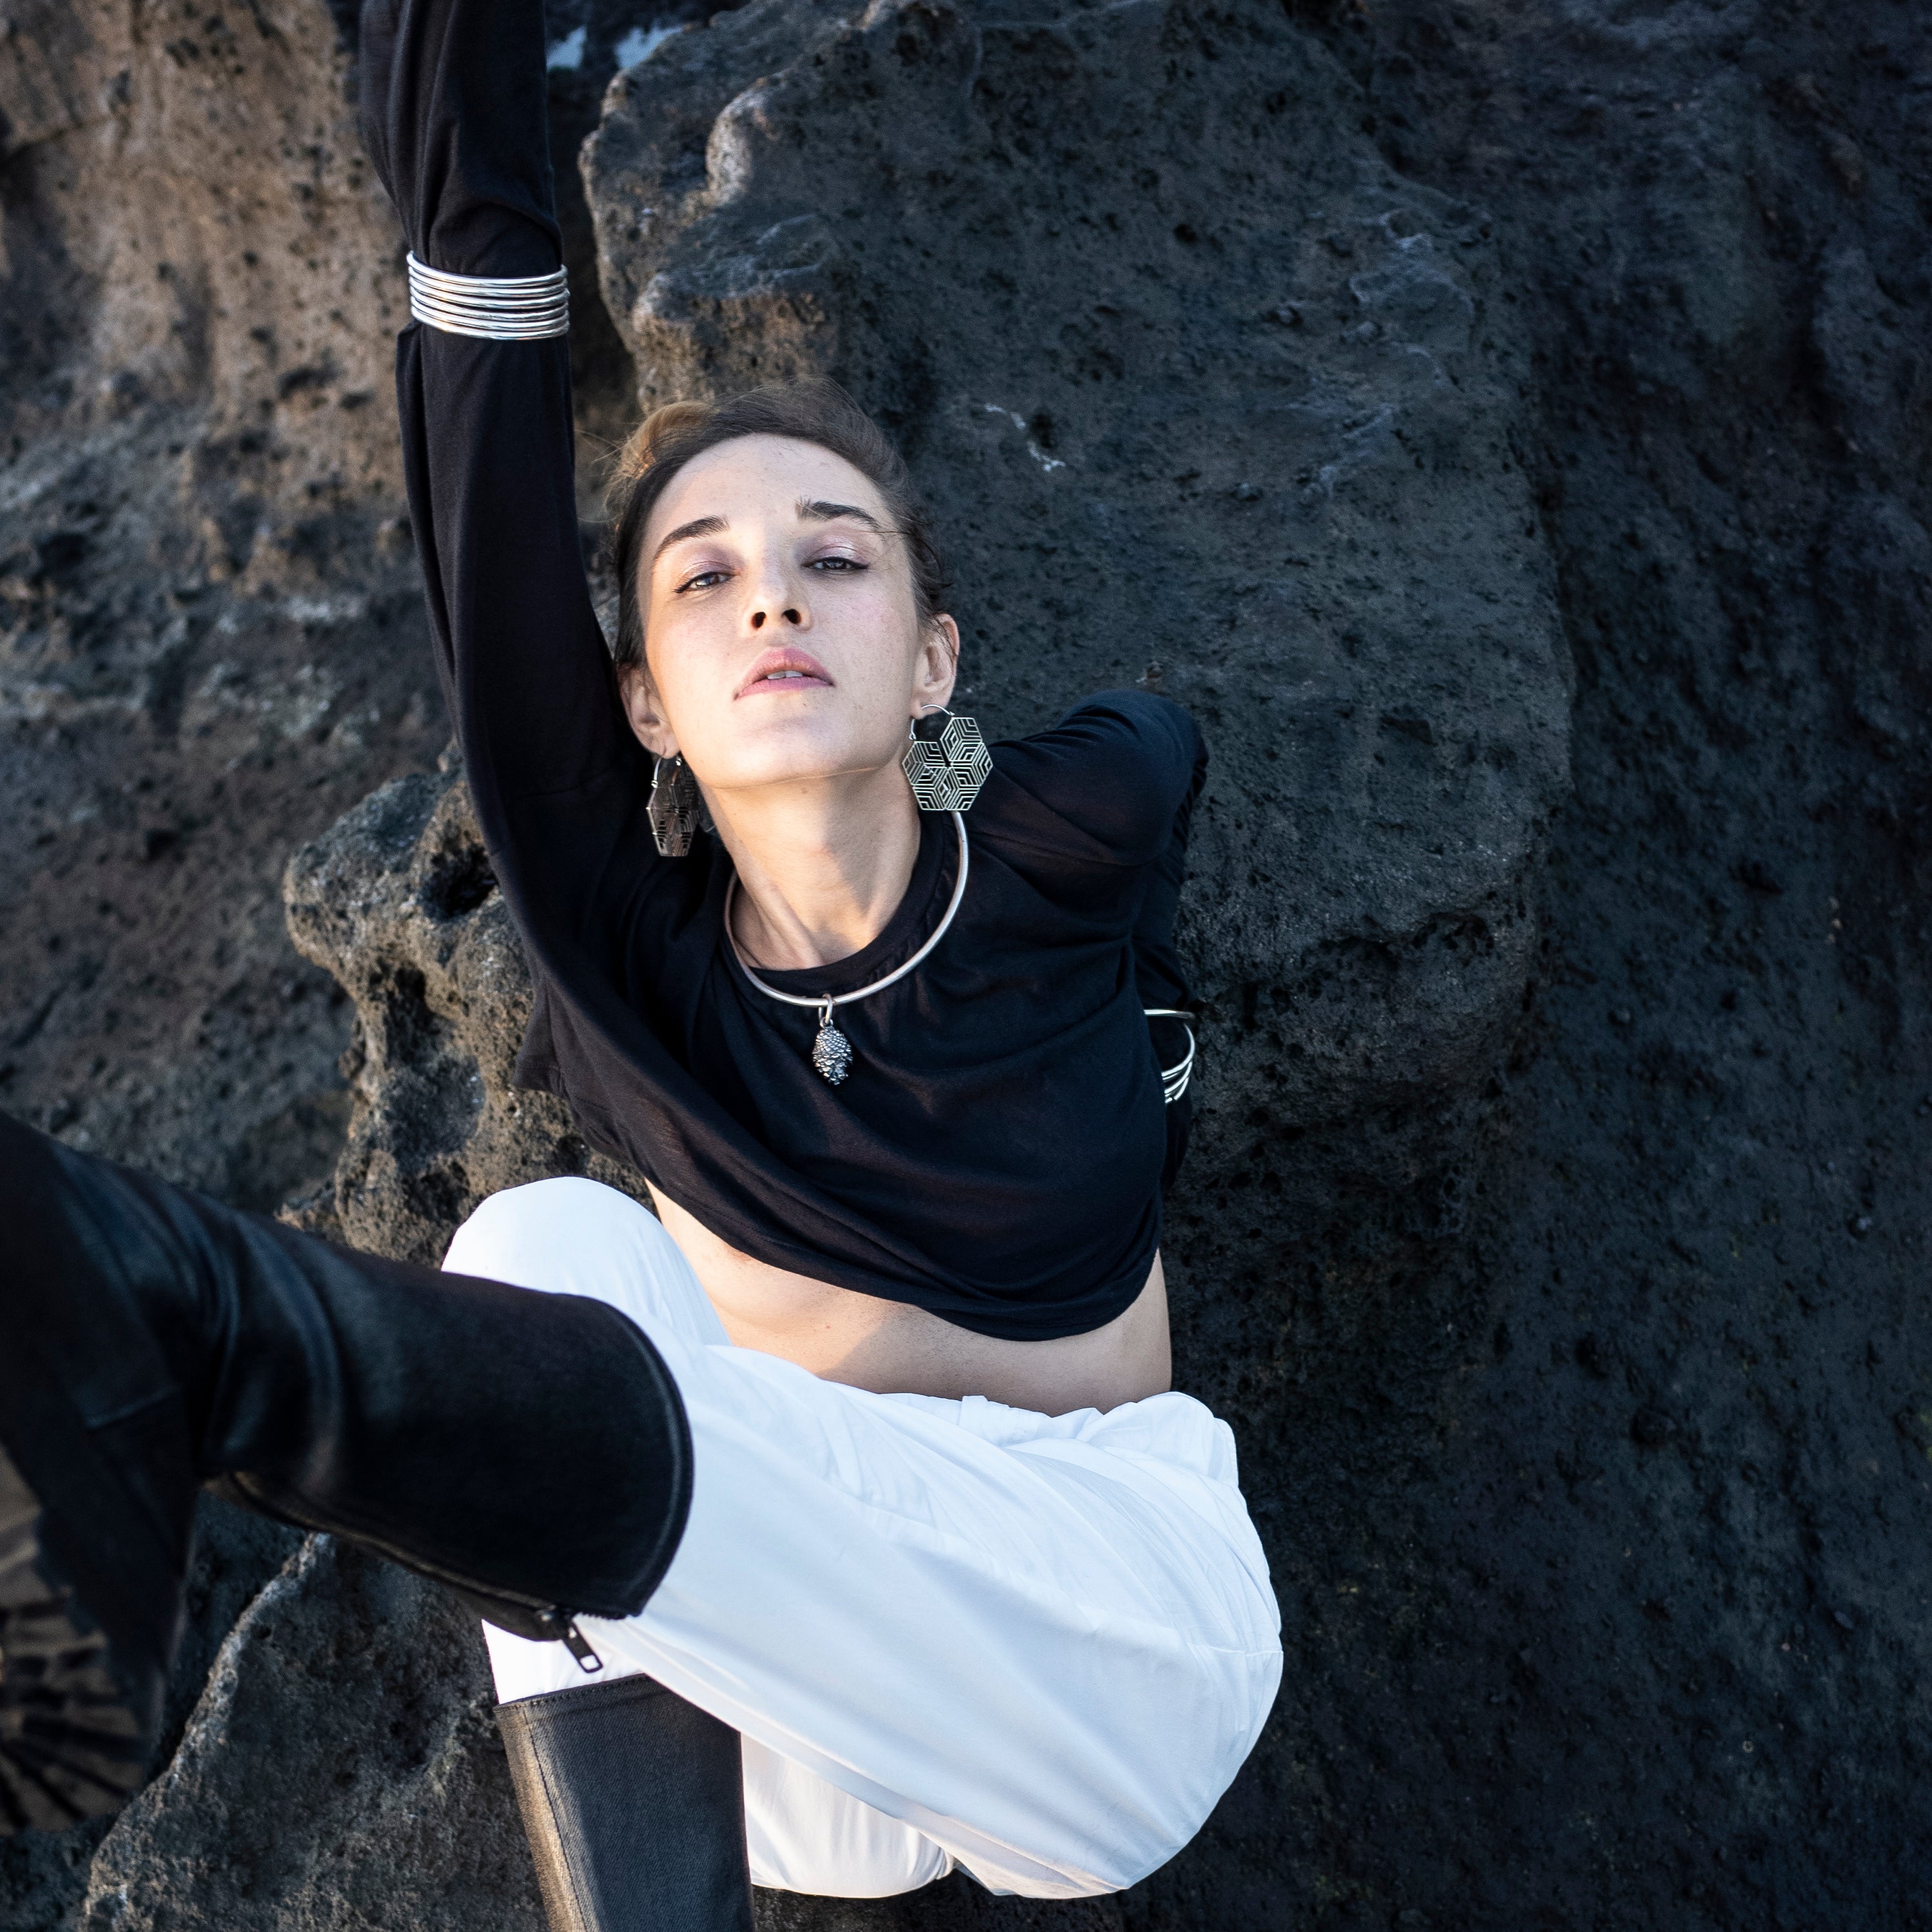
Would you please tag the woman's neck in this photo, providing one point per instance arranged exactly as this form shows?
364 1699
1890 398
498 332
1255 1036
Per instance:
821 868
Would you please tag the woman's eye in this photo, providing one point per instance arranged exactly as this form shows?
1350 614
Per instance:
704 580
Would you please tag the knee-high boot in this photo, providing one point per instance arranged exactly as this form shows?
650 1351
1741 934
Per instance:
634 1803
530 1450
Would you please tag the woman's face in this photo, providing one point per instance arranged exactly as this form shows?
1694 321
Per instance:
780 625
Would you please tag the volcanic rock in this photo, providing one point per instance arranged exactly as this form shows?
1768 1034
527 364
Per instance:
211 637
1555 1233
398 902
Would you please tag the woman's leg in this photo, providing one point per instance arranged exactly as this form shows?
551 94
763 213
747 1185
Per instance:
804 1835
633 1802
1043 1644
527 1449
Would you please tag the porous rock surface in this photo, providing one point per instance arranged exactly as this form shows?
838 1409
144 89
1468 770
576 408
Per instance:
350 1698
1577 1346
211 635
210 630
397 900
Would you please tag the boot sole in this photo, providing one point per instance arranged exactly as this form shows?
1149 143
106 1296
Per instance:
72 1744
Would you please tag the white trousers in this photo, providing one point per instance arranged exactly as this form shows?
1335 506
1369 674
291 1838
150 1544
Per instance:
1038 1647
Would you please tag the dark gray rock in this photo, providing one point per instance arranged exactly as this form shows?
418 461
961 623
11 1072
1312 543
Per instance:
342 1768
1567 1647
398 902
43 1875
211 641
1581 1378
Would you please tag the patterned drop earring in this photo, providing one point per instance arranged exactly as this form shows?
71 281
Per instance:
946 770
676 807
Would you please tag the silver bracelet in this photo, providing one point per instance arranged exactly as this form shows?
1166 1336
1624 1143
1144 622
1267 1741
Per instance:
1173 1079
496 308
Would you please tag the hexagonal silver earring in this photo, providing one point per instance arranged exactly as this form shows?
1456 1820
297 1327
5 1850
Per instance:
676 807
945 771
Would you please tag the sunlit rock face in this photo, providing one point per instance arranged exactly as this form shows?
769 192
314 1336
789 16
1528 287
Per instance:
211 637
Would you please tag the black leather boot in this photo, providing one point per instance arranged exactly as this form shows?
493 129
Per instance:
634 1803
528 1450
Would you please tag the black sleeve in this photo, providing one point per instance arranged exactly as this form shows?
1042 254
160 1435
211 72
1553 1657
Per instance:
453 112
1103 786
1108 795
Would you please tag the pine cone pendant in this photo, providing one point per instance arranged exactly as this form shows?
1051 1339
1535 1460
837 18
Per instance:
832 1051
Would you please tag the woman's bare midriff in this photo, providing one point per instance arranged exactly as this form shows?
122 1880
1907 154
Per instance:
895 1348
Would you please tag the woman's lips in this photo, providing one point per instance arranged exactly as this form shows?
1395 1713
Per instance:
786 670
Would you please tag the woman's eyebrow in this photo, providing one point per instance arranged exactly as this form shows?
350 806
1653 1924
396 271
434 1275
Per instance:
813 511
700 526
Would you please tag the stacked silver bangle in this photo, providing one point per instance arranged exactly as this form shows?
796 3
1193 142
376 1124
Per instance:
1173 1079
496 308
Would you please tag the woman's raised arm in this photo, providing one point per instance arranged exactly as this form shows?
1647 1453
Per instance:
453 113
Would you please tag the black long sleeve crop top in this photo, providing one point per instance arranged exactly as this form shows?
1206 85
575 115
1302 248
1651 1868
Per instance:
997 1154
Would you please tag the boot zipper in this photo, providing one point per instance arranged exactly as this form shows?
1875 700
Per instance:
564 1625
578 1644
553 1615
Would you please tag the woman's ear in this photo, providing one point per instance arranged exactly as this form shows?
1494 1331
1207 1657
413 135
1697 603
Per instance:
938 666
641 708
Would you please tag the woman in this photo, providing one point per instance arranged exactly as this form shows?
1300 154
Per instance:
863 1447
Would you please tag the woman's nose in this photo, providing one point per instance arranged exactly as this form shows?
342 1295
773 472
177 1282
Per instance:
777 595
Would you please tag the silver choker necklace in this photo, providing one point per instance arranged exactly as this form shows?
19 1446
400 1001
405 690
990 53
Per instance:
832 1051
